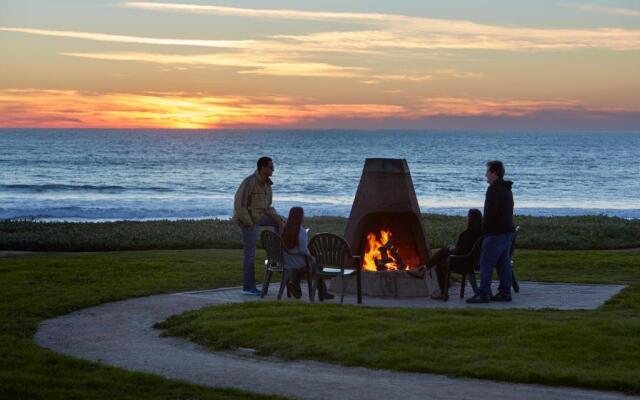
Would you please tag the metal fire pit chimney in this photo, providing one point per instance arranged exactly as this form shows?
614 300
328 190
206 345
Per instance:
386 199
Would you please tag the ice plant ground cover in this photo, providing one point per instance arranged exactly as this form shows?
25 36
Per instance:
549 233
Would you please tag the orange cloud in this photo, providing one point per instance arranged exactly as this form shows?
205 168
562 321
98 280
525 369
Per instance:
390 31
461 106
401 31
412 77
71 108
106 37
250 63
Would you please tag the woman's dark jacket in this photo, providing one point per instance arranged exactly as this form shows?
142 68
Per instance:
466 240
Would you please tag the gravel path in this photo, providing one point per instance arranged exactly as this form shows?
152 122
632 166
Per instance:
121 334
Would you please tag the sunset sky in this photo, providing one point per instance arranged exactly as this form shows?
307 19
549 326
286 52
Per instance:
320 64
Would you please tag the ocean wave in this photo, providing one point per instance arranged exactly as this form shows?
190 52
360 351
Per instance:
74 213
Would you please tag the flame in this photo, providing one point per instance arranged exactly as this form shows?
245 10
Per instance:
373 252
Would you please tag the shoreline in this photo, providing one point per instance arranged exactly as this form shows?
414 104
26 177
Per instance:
626 214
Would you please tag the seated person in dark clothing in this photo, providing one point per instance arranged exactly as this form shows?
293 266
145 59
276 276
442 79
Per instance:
464 244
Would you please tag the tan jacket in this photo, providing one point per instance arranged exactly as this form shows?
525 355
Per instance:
253 200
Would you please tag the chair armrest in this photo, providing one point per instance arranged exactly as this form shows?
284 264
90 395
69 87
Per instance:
454 261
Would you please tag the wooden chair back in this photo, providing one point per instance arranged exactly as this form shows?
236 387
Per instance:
513 242
467 263
330 251
273 245
514 280
476 251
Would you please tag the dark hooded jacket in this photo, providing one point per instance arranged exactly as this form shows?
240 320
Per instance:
466 240
498 208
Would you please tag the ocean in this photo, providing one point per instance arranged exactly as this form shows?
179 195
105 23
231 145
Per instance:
97 175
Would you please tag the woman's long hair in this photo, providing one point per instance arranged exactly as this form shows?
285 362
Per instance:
474 221
292 228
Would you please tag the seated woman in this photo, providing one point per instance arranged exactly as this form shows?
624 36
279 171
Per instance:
297 255
463 245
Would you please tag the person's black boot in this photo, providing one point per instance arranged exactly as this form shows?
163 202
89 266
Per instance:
294 289
500 296
478 299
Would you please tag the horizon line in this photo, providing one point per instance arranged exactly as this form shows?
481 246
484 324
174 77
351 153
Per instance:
267 129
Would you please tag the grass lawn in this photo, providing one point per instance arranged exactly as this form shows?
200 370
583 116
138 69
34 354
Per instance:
592 349
37 287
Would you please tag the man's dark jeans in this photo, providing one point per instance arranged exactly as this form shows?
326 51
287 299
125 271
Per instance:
249 240
496 251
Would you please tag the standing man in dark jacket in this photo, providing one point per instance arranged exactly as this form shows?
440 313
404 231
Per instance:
498 229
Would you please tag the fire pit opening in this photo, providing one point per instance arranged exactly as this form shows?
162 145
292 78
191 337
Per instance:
389 242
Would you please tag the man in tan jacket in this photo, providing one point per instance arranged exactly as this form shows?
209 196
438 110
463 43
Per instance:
252 208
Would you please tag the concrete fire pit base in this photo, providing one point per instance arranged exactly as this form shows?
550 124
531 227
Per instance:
387 284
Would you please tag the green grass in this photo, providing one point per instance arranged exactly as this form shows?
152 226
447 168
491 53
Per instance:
560 233
593 349
37 287
584 266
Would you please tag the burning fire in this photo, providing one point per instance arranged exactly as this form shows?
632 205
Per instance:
380 254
